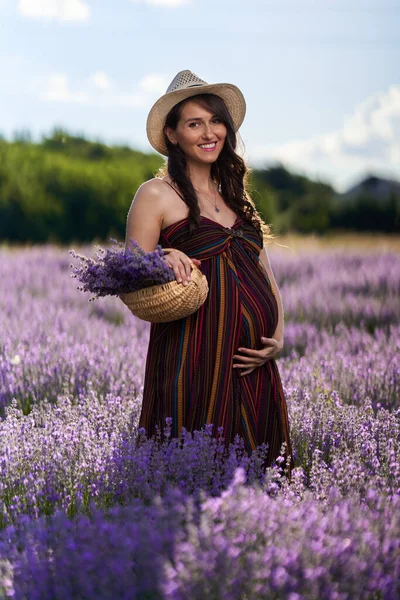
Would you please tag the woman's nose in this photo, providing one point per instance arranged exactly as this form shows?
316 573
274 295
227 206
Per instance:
208 133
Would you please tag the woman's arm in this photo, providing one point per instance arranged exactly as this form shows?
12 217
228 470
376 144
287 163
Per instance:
145 216
279 331
144 223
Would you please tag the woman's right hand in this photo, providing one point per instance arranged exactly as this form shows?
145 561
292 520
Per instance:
180 263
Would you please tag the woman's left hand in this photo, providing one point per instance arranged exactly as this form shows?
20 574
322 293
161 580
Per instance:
256 358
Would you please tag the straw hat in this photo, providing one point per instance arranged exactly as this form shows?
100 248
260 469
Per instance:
184 85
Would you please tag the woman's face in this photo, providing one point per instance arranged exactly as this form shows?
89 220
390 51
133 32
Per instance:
199 133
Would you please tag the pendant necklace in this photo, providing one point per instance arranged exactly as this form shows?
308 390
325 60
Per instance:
215 199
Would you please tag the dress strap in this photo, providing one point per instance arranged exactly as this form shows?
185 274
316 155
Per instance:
175 190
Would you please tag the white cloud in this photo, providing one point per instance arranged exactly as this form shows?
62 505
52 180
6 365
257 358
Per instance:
100 80
368 139
154 84
60 10
373 119
395 154
167 3
57 89
129 100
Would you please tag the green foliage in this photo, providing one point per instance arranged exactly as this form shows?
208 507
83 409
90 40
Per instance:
366 213
293 202
69 189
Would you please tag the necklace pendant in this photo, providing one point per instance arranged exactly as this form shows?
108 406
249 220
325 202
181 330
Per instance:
216 209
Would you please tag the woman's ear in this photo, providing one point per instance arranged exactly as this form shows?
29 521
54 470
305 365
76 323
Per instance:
170 133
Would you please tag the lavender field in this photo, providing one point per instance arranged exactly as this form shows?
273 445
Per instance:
87 513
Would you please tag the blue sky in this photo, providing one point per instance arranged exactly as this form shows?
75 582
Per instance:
321 79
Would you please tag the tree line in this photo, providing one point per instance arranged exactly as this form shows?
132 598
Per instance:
70 189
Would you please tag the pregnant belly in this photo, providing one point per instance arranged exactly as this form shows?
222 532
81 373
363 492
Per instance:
259 309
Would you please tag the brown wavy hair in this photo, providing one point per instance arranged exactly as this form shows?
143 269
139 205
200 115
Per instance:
229 170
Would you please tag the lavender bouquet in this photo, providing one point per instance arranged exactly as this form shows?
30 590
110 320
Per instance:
118 271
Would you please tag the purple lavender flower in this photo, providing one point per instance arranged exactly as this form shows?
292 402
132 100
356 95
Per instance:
87 512
118 270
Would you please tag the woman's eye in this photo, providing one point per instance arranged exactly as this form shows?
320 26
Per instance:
194 124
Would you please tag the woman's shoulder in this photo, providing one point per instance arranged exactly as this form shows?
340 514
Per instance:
153 187
154 190
157 194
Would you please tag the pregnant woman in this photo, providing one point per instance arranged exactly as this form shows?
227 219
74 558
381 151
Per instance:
216 366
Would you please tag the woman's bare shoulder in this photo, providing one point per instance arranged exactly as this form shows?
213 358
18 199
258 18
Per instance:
153 188
151 200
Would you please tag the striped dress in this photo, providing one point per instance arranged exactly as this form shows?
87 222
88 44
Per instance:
189 374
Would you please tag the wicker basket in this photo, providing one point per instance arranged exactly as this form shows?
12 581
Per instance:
168 301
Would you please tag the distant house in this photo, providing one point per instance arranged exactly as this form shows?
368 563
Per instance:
379 188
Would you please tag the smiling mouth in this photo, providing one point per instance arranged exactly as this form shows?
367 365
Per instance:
209 146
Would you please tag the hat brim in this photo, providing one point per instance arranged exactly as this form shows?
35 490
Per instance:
231 95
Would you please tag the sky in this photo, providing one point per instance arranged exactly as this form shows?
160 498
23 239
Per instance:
321 78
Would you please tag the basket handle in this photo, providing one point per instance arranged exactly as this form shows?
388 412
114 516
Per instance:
170 250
